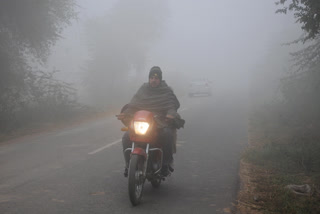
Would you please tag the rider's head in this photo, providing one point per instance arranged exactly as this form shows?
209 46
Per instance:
155 76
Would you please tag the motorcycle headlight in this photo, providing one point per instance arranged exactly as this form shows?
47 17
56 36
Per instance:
141 127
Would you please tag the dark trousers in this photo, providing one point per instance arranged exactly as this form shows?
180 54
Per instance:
166 137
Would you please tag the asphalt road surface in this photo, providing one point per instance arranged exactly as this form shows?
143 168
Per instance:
80 169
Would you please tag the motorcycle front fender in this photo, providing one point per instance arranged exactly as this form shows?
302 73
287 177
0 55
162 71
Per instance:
139 151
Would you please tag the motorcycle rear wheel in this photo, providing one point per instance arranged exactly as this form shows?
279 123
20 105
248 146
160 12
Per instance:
136 179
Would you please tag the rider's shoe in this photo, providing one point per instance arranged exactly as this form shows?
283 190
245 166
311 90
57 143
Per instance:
125 172
170 167
165 170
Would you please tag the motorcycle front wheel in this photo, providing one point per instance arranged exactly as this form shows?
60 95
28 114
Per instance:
136 179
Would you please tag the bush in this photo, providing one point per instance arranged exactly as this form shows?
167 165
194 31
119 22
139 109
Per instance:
41 99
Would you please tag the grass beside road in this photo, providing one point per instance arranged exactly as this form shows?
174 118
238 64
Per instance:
279 156
266 182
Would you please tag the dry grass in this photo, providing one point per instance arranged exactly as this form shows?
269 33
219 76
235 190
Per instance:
265 172
246 202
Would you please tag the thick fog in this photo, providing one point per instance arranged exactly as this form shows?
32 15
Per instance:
247 83
237 45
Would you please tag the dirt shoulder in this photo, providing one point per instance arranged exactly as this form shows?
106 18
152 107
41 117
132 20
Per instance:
246 194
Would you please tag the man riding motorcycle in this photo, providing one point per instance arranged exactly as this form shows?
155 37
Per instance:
155 96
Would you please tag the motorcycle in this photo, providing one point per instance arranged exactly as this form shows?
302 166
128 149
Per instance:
146 154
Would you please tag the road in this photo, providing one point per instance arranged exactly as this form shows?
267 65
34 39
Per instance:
80 169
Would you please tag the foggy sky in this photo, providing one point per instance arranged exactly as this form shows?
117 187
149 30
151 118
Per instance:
219 40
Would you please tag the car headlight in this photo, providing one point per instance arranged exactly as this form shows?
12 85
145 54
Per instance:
140 127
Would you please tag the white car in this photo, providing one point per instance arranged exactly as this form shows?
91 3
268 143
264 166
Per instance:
199 87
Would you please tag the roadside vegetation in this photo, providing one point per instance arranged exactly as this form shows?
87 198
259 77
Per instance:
280 170
32 98
29 93
280 154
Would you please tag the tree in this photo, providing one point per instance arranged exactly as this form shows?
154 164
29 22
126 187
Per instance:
306 12
28 28
301 89
34 25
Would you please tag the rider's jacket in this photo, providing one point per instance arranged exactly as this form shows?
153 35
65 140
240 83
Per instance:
160 100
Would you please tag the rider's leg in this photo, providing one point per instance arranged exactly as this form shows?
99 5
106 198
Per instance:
126 143
167 138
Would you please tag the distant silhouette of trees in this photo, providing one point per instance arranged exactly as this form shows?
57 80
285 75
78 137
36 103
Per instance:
303 85
298 113
119 43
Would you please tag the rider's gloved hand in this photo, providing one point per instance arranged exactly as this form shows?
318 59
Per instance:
120 116
169 117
